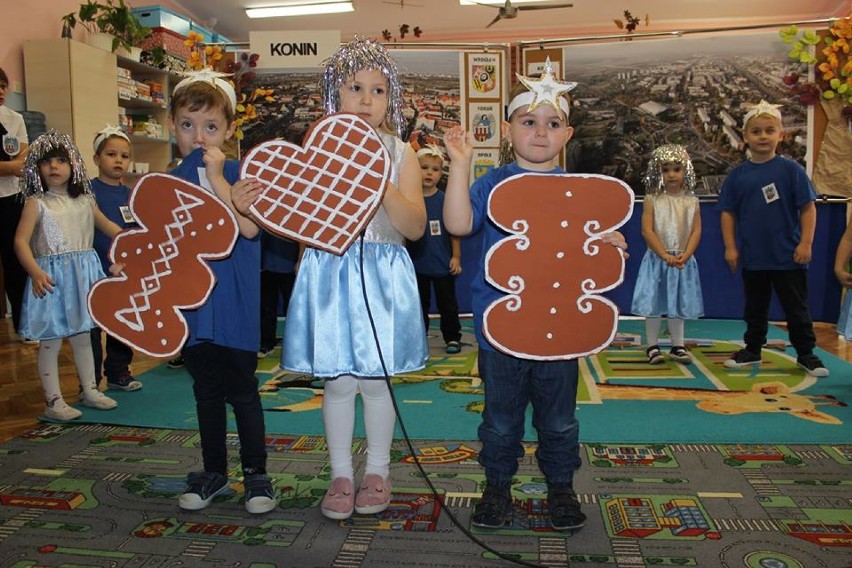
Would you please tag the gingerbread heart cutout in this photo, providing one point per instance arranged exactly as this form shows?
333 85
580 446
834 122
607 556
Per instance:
324 193
181 226
553 266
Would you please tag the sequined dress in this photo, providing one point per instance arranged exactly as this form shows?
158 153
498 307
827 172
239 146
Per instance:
62 246
328 331
663 290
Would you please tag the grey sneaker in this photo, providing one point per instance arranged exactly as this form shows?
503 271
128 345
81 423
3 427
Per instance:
201 488
259 494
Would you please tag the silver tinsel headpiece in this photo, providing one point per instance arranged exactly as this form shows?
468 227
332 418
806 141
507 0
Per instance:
31 184
668 154
359 55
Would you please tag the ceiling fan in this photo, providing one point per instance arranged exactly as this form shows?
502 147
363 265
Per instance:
401 3
508 10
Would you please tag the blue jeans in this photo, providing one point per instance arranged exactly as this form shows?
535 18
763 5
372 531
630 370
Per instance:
511 384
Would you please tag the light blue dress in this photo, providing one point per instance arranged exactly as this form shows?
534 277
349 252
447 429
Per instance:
328 330
663 290
844 322
62 246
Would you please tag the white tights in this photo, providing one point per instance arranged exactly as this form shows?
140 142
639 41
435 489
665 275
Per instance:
338 414
676 330
48 364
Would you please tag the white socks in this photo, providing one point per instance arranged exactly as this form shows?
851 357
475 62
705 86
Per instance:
676 330
48 371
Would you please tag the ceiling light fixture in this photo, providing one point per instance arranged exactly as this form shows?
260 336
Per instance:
300 8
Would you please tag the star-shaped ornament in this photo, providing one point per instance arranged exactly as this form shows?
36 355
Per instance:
547 89
764 107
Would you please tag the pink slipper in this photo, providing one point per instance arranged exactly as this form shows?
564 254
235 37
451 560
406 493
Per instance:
374 496
339 500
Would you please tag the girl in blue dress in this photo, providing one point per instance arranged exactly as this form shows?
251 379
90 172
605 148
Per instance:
841 270
668 283
54 244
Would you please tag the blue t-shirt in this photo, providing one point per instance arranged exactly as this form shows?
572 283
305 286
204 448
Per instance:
766 200
277 254
432 252
110 200
483 294
231 315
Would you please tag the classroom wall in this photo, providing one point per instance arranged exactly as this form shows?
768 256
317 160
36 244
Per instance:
39 19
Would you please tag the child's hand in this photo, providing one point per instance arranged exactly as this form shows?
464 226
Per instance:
117 268
680 261
458 145
844 277
802 254
732 257
244 193
617 240
42 284
214 161
455 266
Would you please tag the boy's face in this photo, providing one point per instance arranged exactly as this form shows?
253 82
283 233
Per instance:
366 94
537 137
113 159
430 172
672 176
205 128
763 134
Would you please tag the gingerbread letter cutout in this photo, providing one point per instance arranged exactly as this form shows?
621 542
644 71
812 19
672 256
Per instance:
325 193
554 265
181 226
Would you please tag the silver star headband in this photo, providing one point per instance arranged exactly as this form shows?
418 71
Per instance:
544 91
213 78
108 132
762 108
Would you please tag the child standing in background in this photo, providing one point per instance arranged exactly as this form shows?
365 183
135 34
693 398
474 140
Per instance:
668 283
328 330
224 333
770 200
841 270
112 156
54 244
437 255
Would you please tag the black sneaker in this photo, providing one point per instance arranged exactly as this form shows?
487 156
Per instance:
259 494
201 488
494 508
742 358
175 363
680 354
654 355
125 382
564 507
812 365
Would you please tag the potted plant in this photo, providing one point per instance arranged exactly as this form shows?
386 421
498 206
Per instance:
113 18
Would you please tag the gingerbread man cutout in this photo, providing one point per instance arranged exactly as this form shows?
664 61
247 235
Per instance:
554 266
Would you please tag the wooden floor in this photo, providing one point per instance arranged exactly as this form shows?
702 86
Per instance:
22 401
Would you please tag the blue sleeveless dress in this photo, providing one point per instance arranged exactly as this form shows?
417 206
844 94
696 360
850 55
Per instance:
844 322
62 246
328 329
663 290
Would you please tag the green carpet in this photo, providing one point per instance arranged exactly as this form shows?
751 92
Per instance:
621 397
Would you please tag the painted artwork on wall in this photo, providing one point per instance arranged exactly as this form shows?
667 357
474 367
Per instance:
691 90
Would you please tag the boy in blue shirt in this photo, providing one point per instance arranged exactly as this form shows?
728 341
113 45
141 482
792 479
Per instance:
770 200
224 334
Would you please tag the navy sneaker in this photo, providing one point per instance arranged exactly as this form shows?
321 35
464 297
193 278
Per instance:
742 358
201 488
176 363
564 507
654 355
494 509
259 494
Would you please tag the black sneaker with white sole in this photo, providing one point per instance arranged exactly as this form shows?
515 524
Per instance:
259 494
201 488
742 358
812 365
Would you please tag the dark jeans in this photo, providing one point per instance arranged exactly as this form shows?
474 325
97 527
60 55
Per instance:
14 275
223 375
791 286
511 384
445 299
118 357
273 285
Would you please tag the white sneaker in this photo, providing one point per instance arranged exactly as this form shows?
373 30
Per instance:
96 399
60 411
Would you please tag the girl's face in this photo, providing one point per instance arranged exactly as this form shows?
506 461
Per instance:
672 176
113 159
55 173
538 136
366 94
430 172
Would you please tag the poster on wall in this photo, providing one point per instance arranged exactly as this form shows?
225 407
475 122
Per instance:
484 120
693 90
483 75
483 103
484 159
